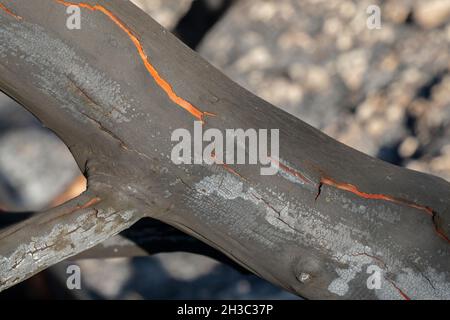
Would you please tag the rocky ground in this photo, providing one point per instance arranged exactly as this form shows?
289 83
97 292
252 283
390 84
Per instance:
383 91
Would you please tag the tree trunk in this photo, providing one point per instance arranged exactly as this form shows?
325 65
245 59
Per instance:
329 225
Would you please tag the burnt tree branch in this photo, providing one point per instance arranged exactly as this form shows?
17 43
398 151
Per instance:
115 90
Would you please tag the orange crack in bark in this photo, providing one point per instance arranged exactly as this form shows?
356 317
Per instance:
162 83
370 256
400 291
377 196
2 7
89 203
231 170
226 167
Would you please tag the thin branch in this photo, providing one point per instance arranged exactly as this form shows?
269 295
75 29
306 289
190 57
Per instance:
145 237
48 237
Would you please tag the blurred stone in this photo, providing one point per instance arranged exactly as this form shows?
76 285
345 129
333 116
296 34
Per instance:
432 13
35 166
281 91
106 277
418 166
408 147
317 79
186 266
165 12
352 68
168 276
397 11
257 58
441 163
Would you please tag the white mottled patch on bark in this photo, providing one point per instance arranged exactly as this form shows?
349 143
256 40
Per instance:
225 186
340 286
63 240
340 241
60 68
425 285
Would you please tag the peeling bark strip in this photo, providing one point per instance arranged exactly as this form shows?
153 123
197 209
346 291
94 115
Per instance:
315 241
162 83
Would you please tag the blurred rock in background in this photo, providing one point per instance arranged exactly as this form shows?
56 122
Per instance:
383 91
35 167
167 12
